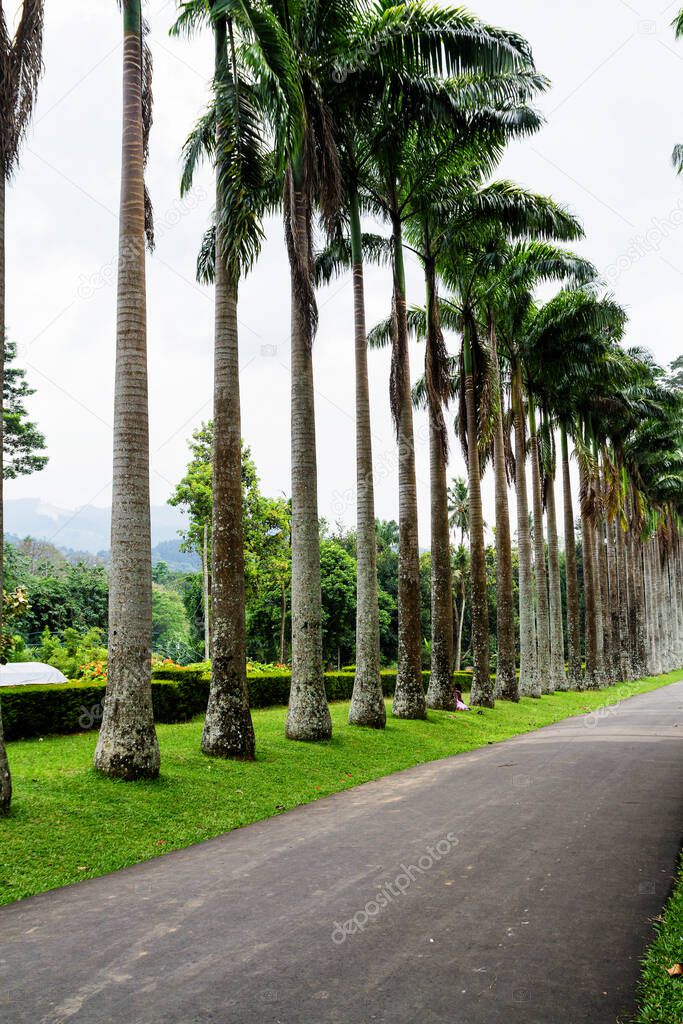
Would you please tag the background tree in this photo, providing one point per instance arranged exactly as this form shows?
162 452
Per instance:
194 495
23 442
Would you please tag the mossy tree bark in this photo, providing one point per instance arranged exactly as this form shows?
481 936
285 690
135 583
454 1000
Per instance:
591 678
127 747
613 580
558 677
626 664
529 685
603 578
507 685
482 685
5 776
542 614
228 729
572 579
409 696
308 716
441 693
367 703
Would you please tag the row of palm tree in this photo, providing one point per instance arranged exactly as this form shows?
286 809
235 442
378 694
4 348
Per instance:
338 111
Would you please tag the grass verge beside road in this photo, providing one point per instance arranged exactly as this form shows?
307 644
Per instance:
660 996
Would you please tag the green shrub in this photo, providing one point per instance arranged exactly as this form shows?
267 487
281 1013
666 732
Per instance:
29 711
178 694
72 652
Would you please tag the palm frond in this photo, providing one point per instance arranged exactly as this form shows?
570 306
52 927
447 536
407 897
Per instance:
21 67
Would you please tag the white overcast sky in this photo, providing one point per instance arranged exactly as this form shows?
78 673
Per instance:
613 116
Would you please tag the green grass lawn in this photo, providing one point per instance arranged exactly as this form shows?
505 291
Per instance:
661 996
68 823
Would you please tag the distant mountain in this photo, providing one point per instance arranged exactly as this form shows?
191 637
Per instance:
180 561
84 529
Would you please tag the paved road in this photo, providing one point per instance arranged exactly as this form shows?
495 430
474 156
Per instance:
513 884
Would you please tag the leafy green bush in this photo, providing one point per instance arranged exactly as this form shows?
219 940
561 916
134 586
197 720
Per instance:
178 694
29 711
73 652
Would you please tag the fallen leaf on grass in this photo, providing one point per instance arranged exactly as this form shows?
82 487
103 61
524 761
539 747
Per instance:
676 971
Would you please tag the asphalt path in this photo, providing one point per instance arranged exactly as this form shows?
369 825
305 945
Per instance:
516 884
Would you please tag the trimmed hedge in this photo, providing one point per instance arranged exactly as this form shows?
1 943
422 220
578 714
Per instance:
178 694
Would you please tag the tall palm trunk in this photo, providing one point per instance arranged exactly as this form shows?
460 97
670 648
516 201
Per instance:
572 581
625 660
591 678
205 593
637 611
409 696
507 686
654 663
441 692
542 614
228 730
308 716
529 685
674 575
663 607
603 578
482 686
5 777
613 579
600 668
283 620
461 623
674 653
127 747
367 703
558 678
634 619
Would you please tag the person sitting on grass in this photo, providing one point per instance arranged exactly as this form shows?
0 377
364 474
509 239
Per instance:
460 704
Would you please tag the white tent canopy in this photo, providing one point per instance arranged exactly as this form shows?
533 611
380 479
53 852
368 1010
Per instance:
28 673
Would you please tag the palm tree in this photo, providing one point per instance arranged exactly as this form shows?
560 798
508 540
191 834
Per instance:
677 157
231 134
490 105
520 268
367 701
450 209
22 66
325 40
459 507
459 520
475 216
567 345
352 110
482 688
507 685
127 747
529 678
502 276
462 584
542 611
572 579
558 678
